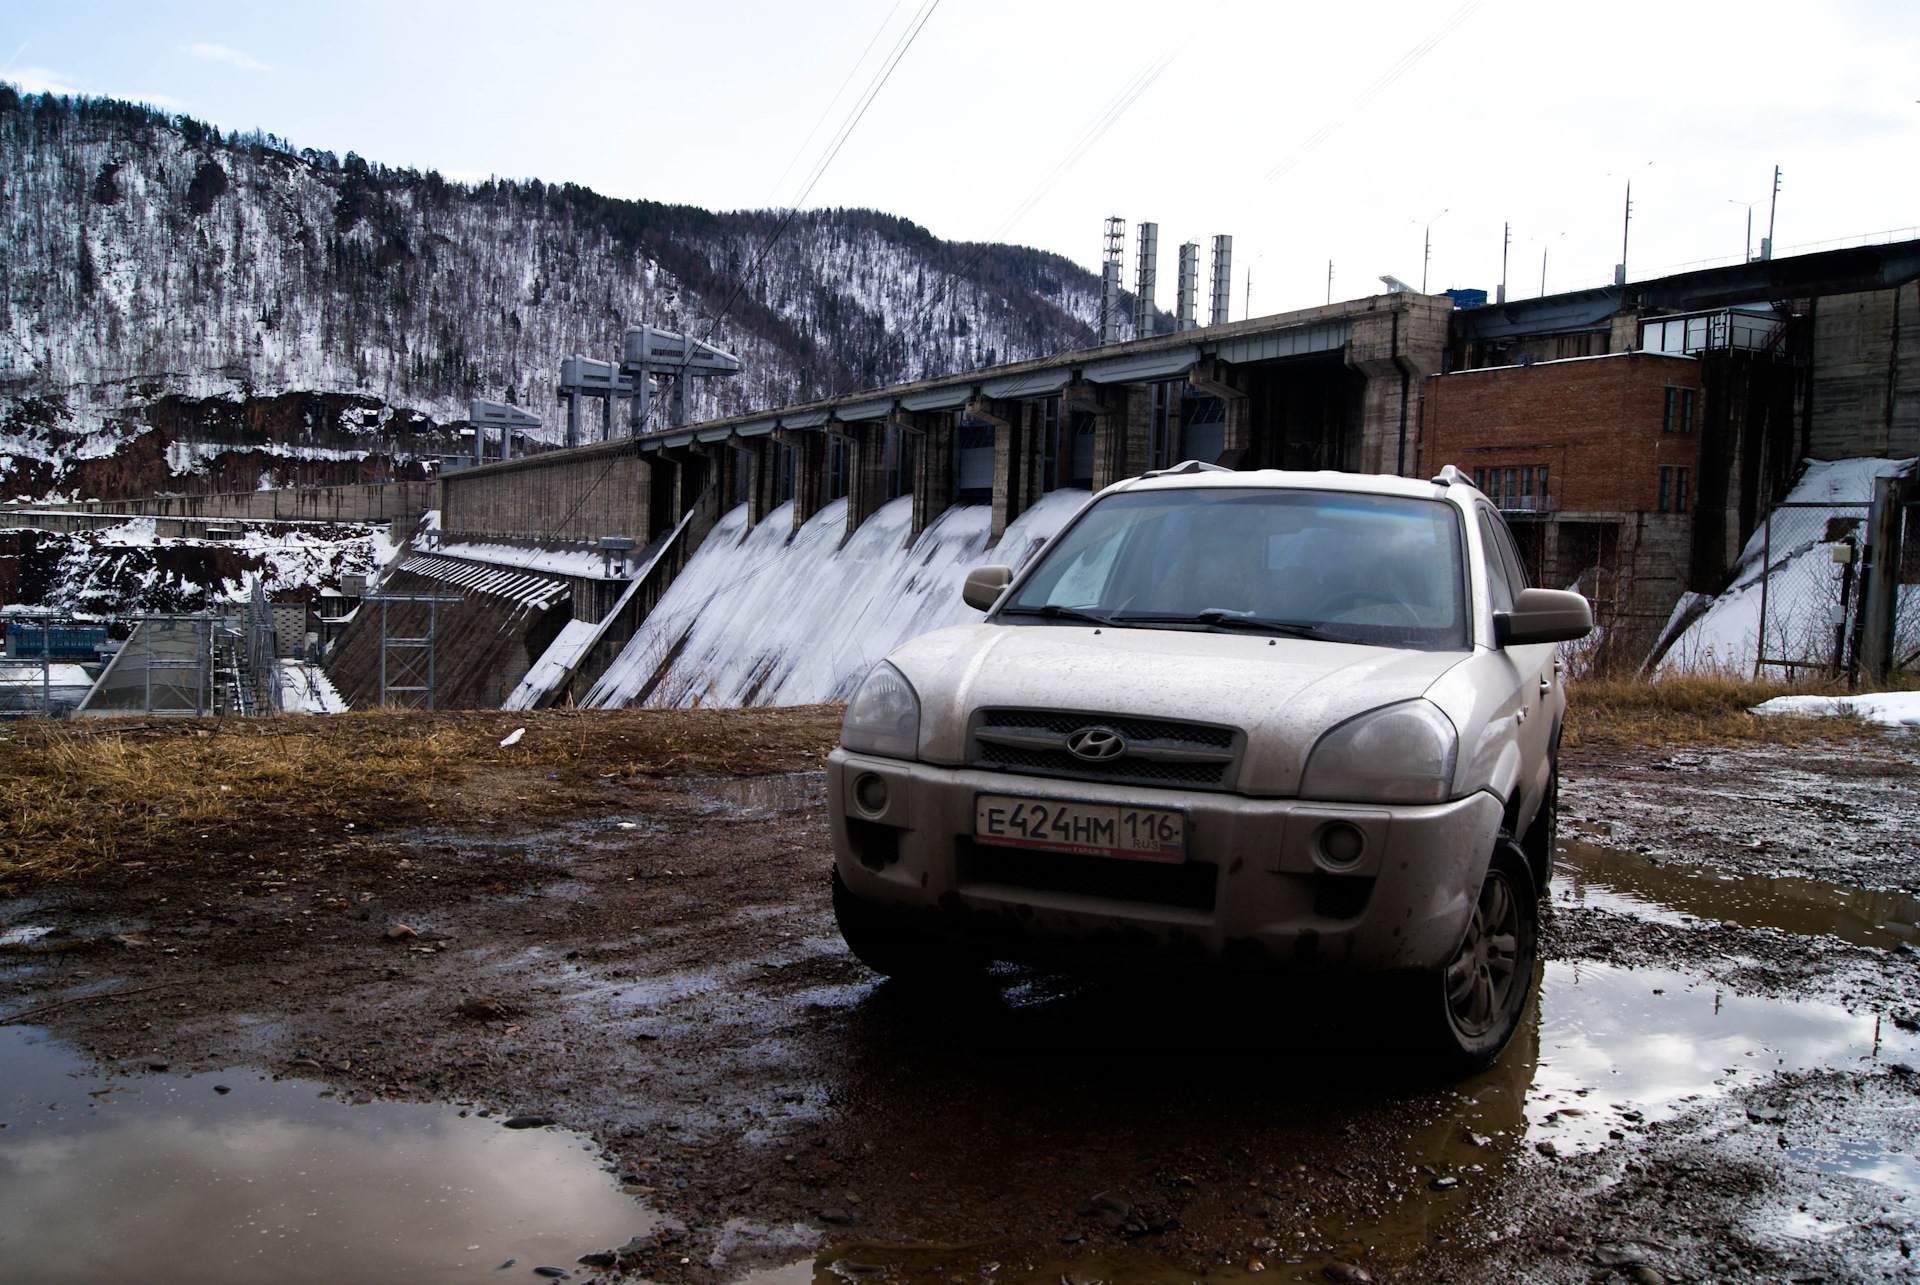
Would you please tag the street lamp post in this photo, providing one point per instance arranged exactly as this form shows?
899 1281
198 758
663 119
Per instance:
1426 246
1626 226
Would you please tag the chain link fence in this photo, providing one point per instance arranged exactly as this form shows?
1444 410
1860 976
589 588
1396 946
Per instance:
1809 589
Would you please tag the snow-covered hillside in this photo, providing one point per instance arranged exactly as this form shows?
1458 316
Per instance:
151 259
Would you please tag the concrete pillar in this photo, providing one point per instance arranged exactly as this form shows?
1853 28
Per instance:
809 472
1110 407
866 472
933 479
573 419
1394 348
1010 449
1220 379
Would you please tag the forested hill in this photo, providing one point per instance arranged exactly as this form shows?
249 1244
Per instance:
159 276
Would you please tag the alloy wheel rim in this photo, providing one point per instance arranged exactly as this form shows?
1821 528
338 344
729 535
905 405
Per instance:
1480 980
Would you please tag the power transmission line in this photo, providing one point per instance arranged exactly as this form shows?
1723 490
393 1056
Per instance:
914 26
1367 95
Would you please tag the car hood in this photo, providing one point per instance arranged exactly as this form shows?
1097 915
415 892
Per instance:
1283 692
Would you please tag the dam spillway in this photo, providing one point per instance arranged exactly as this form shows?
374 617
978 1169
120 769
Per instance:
758 618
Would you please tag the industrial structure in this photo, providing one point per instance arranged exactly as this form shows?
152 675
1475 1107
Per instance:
1636 437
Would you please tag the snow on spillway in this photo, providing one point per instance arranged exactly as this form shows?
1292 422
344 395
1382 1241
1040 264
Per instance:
1803 585
758 619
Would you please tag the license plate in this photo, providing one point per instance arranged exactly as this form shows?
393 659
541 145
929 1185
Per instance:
1090 829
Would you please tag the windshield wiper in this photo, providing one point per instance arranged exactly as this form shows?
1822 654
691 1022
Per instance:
1054 610
1221 618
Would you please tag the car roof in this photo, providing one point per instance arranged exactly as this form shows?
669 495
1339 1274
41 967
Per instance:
1282 479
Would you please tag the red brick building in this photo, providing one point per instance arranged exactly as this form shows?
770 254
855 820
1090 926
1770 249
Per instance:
1596 463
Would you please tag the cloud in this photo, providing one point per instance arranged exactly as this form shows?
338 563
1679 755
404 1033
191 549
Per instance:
220 53
42 80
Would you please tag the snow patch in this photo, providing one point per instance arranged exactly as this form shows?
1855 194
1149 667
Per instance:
1890 709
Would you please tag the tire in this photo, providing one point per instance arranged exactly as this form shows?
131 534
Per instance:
885 941
1543 835
1469 1009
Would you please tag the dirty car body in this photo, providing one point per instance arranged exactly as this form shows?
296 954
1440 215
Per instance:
1262 721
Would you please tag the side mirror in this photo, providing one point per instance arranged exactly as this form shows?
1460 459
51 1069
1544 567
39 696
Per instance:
1543 616
983 586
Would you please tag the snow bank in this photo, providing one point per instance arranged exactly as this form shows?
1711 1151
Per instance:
306 689
1892 709
1802 587
758 619
588 564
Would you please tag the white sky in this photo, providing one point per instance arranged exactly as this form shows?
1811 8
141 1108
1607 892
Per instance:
1525 112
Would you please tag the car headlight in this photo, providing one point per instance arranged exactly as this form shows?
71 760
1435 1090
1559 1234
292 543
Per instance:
1396 754
884 715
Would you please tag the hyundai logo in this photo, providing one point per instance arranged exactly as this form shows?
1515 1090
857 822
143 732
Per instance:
1096 744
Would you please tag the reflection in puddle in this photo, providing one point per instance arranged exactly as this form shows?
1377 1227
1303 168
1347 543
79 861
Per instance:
1861 1158
1605 1051
1626 882
23 935
149 1177
759 797
1620 1046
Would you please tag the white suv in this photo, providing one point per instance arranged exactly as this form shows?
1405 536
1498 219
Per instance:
1253 721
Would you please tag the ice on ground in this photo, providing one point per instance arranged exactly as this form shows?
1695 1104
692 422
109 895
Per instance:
306 689
1890 709
1803 585
758 618
555 663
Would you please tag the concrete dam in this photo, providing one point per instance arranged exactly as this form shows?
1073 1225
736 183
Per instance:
772 557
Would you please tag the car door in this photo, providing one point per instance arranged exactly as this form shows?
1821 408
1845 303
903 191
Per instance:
1533 666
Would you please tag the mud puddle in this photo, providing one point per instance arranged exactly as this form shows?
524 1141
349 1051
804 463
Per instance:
228 1176
1588 874
755 798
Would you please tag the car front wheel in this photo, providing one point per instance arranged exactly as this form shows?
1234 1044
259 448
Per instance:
1471 1007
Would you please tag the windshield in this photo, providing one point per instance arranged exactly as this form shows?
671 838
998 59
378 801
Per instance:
1381 570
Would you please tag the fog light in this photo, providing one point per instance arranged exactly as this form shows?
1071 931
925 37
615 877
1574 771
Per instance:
870 792
1341 844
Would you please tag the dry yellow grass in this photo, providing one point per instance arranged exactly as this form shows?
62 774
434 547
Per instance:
1698 710
80 796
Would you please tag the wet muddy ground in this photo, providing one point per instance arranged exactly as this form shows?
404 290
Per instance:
1714 1083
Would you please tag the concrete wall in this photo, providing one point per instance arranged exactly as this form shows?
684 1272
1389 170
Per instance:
1866 375
398 502
560 497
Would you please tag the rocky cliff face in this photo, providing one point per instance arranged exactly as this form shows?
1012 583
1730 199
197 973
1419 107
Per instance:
237 312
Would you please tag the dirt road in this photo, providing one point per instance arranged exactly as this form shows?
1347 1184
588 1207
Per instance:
1713 1084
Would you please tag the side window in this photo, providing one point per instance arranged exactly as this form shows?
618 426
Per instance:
1499 586
1510 554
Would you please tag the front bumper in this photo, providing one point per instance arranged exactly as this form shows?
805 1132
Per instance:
1255 891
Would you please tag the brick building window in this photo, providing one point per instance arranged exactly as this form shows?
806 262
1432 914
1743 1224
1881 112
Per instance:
1679 417
1673 490
1523 488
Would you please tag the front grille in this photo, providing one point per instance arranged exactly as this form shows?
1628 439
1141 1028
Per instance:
1134 729
1061 763
1189 885
1159 751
